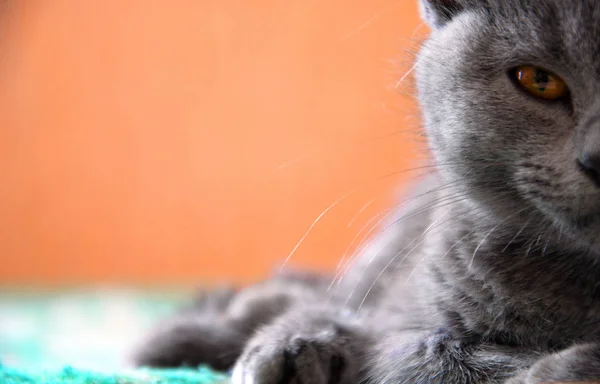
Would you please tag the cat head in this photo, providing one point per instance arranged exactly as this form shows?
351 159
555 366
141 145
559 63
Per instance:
510 97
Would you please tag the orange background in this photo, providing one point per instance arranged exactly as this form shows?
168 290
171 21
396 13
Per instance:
152 141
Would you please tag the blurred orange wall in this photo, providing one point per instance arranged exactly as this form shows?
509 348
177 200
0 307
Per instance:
152 141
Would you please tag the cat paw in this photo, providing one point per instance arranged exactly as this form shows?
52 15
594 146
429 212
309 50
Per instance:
575 365
285 354
189 339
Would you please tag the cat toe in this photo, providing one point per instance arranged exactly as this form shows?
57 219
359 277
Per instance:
297 360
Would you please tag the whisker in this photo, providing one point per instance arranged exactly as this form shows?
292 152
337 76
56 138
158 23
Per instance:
516 236
362 26
417 211
545 247
366 225
393 259
361 210
417 30
391 210
419 238
341 262
411 70
492 230
343 197
365 243
441 258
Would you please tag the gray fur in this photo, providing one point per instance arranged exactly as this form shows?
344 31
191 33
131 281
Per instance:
490 274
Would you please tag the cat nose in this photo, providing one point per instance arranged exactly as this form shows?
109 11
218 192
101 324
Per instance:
589 150
590 165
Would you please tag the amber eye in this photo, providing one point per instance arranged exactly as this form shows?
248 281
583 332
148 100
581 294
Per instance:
541 83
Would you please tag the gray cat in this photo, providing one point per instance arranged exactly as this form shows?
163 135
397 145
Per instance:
490 273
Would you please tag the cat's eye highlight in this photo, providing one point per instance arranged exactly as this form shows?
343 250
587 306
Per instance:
541 83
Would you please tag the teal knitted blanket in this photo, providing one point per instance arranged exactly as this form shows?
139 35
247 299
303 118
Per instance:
70 375
81 337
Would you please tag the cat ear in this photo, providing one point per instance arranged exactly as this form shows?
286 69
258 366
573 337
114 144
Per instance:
438 12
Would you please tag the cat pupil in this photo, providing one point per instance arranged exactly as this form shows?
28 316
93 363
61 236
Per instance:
541 79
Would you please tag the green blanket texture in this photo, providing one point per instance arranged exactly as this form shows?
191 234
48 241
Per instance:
81 337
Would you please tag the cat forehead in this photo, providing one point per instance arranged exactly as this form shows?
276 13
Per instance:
577 13
567 32
527 4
